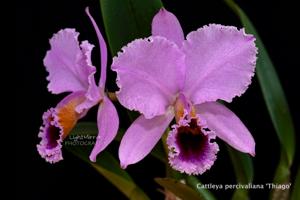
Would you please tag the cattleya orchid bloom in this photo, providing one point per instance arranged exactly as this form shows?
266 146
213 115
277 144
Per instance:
166 76
71 70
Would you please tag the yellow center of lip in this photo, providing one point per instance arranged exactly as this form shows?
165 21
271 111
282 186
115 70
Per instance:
67 116
181 105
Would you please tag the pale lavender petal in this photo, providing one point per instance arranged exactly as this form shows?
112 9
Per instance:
108 124
141 137
93 93
66 64
220 63
191 149
103 50
227 126
150 72
57 124
167 25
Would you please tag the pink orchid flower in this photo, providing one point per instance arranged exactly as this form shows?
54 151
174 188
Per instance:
166 76
71 70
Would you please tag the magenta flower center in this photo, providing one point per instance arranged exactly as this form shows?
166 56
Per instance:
191 140
53 135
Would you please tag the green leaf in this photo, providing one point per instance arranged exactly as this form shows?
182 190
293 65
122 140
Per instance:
191 181
271 89
243 167
158 152
242 164
296 187
194 183
282 174
85 128
126 20
179 189
106 164
275 101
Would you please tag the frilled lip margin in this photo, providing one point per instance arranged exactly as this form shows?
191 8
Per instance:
51 133
191 146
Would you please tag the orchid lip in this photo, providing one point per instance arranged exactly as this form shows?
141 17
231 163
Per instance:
190 139
191 144
51 134
57 125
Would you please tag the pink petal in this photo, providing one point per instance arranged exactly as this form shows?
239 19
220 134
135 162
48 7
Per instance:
103 50
220 63
227 126
108 124
93 93
68 63
167 25
149 74
141 137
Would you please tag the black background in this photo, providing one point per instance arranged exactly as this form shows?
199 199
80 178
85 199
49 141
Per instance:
71 179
